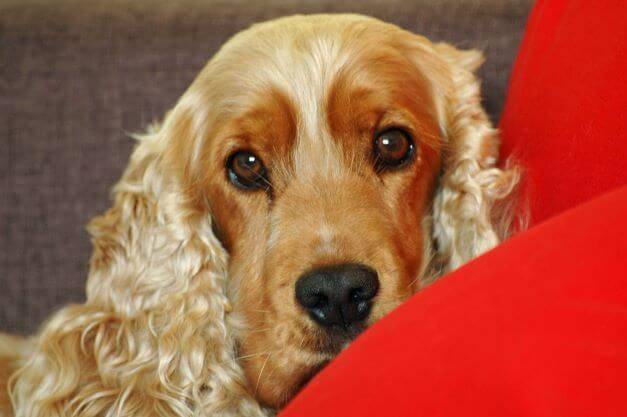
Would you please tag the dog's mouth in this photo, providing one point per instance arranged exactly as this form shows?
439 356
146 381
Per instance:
330 343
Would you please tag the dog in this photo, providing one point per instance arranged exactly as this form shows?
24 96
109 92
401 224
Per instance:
318 172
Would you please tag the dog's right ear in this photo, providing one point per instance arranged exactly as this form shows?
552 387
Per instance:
152 337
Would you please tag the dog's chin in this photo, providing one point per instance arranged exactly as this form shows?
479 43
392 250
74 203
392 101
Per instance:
276 393
327 344
307 374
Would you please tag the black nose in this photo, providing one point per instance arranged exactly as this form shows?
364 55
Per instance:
338 294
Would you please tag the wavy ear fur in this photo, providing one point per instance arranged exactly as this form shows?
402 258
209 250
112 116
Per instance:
472 188
152 338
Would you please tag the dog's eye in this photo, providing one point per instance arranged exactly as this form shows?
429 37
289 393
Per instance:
392 148
246 170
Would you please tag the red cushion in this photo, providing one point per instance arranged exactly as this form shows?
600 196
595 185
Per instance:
566 112
537 327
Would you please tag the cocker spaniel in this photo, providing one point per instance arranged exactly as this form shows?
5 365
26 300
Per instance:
318 172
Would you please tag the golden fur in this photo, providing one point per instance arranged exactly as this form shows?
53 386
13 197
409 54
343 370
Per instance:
190 305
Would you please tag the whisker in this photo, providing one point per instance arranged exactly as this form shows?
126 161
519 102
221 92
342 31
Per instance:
260 330
253 355
413 281
261 373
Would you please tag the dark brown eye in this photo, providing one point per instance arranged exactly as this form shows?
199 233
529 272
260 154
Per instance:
392 148
246 170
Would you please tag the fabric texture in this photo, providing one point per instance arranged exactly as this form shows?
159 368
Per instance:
535 327
77 75
565 119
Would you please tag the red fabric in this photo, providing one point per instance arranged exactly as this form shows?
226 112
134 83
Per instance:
536 327
566 113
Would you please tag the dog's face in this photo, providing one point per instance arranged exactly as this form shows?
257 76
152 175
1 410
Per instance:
319 158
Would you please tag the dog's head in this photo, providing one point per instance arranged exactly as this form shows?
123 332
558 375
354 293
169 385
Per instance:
316 143
337 158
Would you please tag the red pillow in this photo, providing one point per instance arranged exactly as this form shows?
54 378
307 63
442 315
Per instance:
565 117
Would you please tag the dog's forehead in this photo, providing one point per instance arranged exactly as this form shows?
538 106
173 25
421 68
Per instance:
297 56
324 70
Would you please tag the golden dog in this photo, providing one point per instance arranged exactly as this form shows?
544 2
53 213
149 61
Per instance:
318 172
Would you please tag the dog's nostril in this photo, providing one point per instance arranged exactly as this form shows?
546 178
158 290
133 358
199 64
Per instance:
315 301
338 294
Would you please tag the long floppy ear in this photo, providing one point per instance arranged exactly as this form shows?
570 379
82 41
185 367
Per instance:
152 339
468 214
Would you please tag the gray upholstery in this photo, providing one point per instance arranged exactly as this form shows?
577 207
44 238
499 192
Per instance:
77 75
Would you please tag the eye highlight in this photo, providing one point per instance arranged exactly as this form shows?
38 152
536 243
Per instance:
247 171
392 148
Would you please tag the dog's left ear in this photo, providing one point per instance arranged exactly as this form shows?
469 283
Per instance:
152 337
471 187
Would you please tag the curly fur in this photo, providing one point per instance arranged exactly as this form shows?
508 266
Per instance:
155 337
471 184
152 337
